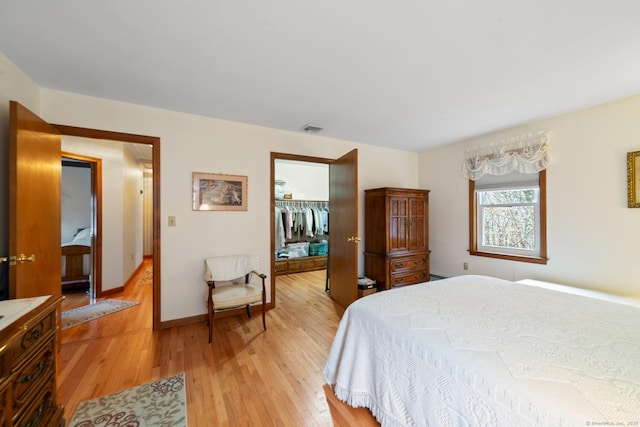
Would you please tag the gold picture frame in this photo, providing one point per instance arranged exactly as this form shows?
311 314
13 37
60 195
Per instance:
219 192
633 179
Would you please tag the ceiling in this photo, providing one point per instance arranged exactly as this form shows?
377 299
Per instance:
408 74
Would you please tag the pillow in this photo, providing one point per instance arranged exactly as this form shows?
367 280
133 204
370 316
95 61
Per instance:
85 233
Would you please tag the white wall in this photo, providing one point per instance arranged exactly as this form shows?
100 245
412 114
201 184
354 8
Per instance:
111 153
592 235
14 86
305 180
75 201
132 225
147 213
192 143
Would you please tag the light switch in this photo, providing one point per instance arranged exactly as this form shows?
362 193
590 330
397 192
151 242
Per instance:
172 221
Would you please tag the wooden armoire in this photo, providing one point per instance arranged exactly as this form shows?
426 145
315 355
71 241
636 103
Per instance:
396 236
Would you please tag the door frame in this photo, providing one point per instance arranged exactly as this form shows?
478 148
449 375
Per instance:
283 156
154 142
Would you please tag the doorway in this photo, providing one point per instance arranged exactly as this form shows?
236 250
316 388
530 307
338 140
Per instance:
80 205
301 221
118 217
34 174
151 170
342 256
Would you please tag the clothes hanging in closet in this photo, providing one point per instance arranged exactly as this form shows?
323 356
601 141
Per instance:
301 218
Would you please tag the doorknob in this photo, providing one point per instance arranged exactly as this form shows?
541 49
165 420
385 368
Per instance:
353 239
23 258
12 260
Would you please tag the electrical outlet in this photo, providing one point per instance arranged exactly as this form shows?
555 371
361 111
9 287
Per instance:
172 221
465 266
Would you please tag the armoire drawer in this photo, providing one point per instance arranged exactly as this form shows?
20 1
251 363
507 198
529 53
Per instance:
409 278
408 263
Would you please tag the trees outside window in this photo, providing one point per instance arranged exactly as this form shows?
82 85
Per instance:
508 220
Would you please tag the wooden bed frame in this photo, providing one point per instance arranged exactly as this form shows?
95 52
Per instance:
72 276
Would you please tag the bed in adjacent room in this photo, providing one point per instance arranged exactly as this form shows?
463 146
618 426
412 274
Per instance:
475 350
76 260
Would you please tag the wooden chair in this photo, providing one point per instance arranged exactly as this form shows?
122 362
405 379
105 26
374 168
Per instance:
234 282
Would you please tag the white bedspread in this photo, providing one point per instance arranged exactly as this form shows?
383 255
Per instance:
479 351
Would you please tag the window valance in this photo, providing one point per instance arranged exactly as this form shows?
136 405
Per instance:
525 154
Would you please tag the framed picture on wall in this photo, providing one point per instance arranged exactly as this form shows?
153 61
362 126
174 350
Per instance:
218 192
633 179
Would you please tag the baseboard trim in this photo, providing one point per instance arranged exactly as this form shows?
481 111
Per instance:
256 310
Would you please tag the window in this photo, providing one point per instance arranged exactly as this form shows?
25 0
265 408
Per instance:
508 217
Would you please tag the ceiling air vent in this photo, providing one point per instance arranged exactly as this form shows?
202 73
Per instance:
311 129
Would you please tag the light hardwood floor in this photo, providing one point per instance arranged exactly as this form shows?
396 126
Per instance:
246 377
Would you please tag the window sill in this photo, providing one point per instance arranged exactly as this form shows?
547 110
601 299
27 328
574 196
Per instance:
533 260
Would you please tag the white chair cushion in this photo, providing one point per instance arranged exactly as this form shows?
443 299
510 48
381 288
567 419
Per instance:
223 268
236 296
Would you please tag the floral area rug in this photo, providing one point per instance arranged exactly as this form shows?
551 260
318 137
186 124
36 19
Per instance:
147 277
93 311
159 403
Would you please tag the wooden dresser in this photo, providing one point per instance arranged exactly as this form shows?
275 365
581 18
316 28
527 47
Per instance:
298 265
28 358
396 236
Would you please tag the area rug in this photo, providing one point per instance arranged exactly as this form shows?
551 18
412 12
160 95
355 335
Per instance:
159 403
147 277
93 311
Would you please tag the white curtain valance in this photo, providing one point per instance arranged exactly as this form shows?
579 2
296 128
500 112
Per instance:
525 154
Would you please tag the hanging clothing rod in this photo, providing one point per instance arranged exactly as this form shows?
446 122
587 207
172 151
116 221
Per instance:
303 203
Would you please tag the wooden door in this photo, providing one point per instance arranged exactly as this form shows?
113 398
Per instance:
343 224
34 205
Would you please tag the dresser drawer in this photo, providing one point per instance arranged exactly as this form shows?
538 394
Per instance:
281 266
5 396
408 263
320 262
41 409
7 353
300 264
28 361
31 375
409 278
35 333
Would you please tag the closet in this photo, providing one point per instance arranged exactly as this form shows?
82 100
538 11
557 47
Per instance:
301 216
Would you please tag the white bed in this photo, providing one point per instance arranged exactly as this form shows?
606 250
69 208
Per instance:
479 351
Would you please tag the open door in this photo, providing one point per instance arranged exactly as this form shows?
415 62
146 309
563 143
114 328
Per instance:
34 205
343 243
